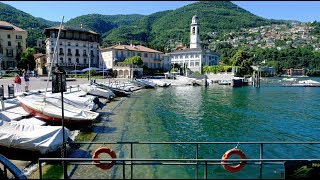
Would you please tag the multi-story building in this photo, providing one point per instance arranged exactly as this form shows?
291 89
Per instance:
151 58
76 48
194 57
12 43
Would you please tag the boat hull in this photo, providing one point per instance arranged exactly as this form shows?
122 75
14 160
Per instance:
55 120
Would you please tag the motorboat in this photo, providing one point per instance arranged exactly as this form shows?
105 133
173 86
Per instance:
96 91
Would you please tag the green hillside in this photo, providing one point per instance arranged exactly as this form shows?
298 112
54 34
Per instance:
159 30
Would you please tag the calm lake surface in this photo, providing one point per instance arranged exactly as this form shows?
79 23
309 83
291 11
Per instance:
216 113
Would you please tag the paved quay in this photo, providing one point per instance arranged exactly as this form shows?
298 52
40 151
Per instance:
13 111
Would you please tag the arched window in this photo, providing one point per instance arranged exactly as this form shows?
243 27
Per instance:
193 30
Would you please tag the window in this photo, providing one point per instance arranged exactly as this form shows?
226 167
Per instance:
197 64
133 53
85 61
18 37
77 60
76 44
60 43
69 44
52 50
145 55
9 36
9 43
69 60
61 60
77 51
193 30
69 51
128 53
84 52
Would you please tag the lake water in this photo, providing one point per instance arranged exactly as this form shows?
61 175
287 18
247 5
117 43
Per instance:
216 113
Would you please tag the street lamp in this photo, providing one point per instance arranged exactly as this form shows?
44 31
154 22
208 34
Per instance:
89 67
75 69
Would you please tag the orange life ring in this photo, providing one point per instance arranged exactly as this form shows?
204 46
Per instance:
104 150
236 168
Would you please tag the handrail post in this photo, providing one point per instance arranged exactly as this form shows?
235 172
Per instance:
206 170
197 155
261 157
131 154
124 169
40 170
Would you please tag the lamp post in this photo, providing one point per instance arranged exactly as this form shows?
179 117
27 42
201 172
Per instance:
89 68
75 69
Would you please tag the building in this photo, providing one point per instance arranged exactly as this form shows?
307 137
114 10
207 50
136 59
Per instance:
12 43
41 60
151 58
77 48
194 57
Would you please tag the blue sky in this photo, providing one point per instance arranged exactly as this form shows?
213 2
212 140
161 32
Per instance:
304 11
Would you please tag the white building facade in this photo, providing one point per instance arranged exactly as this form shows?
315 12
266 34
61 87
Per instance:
194 57
75 48
151 58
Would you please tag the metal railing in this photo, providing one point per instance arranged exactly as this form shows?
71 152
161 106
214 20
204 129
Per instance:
131 161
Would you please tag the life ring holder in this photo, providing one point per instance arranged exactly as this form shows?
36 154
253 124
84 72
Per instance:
104 150
235 168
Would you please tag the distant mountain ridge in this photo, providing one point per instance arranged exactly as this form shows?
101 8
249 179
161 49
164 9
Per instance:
159 30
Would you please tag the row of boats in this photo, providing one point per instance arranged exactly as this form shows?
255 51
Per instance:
300 83
79 109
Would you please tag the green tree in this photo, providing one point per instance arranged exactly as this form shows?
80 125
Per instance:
27 60
134 60
242 59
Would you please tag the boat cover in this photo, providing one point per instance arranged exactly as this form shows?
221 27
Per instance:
43 139
52 108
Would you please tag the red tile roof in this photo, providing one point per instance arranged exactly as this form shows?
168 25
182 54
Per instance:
139 48
6 24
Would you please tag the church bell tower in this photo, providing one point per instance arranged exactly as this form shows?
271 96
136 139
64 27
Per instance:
194 33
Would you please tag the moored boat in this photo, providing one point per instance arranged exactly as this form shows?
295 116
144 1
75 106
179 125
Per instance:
42 139
50 110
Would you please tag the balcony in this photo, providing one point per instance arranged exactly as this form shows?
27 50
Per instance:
19 47
77 54
61 53
85 55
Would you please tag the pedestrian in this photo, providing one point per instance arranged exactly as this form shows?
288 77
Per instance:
17 83
26 80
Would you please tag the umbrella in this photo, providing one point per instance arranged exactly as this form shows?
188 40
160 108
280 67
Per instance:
76 71
91 68
105 70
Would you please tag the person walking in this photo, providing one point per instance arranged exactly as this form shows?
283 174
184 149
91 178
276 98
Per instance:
26 80
17 83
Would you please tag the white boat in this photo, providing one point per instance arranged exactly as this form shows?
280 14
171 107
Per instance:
96 91
160 83
50 109
306 83
43 139
80 100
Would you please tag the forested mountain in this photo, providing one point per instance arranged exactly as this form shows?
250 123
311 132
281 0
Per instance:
158 30
25 21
